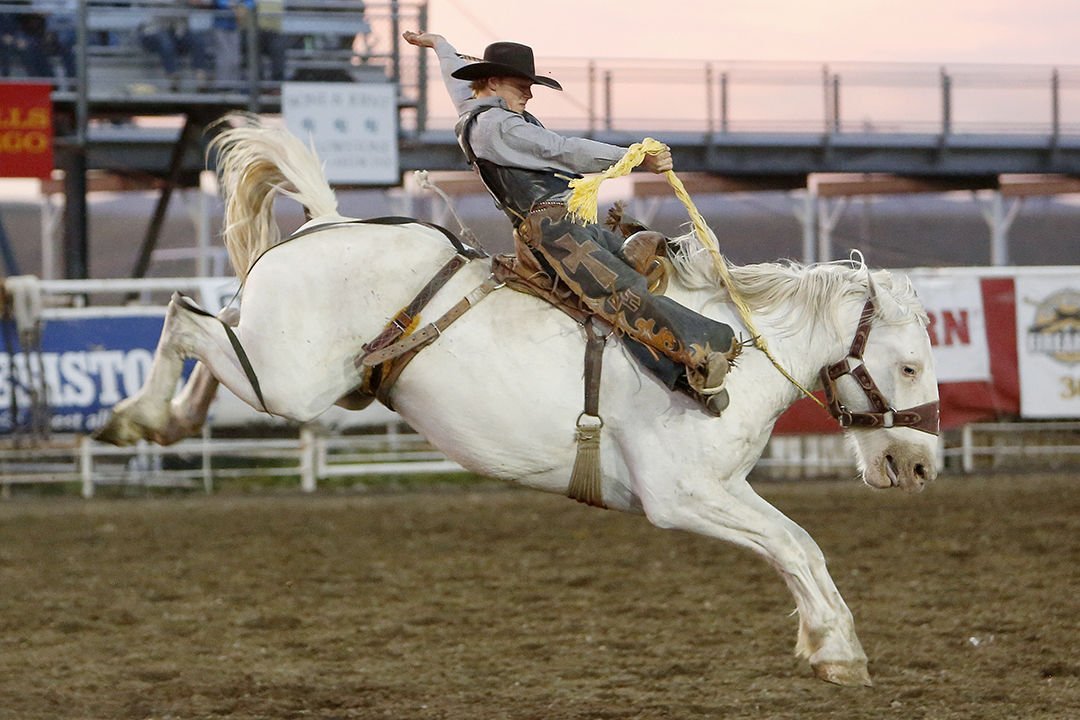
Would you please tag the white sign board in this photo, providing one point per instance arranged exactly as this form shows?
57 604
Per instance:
353 127
957 326
1048 345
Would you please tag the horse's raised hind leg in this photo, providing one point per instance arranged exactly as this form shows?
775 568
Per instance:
188 410
737 515
153 413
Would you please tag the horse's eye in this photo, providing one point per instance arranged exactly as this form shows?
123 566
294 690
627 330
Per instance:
910 371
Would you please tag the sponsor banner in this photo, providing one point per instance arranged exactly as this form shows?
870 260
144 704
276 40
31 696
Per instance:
353 127
26 130
1048 345
957 326
87 365
90 364
966 333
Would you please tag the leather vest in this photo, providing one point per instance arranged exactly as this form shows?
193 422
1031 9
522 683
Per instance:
516 190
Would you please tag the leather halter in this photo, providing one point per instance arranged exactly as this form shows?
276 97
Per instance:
925 418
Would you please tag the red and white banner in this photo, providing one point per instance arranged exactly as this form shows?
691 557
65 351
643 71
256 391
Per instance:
26 130
957 325
1006 346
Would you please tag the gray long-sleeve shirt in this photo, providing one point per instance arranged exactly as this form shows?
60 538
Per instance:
506 138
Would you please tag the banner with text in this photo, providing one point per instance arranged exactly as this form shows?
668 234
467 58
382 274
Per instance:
87 365
1048 345
26 130
353 127
957 325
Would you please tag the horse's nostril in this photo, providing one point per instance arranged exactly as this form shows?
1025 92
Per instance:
920 471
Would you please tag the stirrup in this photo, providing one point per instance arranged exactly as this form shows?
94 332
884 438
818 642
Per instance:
646 252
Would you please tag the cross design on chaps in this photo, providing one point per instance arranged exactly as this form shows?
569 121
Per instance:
581 255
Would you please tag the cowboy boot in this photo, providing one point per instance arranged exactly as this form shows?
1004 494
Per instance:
706 382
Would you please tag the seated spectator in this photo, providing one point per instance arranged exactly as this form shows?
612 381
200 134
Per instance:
60 33
170 37
269 16
8 55
22 41
232 15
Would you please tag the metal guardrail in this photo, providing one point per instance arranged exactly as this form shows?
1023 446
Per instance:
314 456
311 457
711 95
989 445
966 123
718 97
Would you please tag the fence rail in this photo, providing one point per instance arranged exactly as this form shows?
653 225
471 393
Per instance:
710 95
720 97
314 456
995 445
194 463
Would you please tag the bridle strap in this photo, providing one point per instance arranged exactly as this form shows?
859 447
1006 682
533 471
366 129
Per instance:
926 417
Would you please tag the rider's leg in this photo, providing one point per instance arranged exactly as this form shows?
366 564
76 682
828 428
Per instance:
584 257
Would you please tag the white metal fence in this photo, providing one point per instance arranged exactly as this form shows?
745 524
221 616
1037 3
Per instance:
315 455
204 462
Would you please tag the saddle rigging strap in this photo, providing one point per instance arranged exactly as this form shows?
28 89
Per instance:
428 333
185 302
462 248
402 322
385 357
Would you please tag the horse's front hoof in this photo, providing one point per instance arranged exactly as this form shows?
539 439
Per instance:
852 674
118 431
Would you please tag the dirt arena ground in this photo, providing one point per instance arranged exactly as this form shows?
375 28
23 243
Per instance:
506 603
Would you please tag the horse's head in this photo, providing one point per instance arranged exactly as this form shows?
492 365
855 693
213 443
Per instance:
885 391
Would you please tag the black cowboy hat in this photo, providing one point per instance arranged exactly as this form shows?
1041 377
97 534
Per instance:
505 59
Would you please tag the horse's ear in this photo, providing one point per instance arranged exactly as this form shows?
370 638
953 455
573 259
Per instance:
859 262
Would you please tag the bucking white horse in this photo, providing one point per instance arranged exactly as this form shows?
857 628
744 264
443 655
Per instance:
499 391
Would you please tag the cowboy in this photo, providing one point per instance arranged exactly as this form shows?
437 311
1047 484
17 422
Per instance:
527 169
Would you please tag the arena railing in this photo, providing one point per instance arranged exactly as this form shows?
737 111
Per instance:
713 96
313 453
989 446
309 457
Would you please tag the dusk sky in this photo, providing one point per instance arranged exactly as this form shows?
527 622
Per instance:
1026 35
935 31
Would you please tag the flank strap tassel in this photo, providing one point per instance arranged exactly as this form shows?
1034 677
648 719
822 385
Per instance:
585 479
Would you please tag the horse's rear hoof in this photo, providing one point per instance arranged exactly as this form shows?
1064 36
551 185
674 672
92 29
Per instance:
847 674
117 432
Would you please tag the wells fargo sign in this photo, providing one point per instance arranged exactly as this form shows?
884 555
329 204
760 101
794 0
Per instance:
26 130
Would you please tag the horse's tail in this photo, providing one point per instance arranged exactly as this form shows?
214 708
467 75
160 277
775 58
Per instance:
256 163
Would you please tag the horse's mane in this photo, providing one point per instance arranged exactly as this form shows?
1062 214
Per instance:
793 294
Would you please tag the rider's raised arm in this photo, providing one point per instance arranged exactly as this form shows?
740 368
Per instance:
449 61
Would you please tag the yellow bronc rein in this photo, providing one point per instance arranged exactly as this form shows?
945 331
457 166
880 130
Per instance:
582 206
